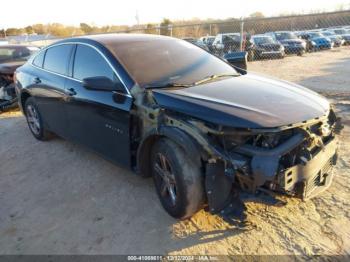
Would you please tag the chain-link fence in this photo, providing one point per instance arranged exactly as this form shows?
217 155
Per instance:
264 38
261 38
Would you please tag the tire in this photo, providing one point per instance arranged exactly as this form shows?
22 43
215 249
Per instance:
34 120
301 53
183 176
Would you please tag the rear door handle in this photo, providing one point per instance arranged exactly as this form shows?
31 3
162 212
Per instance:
36 80
71 92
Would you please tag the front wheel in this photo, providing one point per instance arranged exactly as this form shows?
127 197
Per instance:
34 120
178 179
301 52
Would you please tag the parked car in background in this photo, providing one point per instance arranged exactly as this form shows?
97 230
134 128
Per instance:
337 40
11 57
265 46
344 33
173 111
317 40
290 41
225 43
196 42
3 42
208 40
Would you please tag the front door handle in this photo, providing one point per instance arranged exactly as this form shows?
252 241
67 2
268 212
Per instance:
36 80
71 92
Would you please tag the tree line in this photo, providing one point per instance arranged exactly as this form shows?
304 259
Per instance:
255 23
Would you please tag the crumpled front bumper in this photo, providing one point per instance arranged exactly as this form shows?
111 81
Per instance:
308 180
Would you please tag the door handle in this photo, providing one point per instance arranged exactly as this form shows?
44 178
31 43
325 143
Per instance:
36 80
71 92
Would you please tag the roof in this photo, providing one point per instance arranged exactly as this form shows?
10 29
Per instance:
108 39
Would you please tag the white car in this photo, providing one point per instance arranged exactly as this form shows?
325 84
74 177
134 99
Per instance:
222 39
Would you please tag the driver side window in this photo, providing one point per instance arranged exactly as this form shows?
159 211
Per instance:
89 63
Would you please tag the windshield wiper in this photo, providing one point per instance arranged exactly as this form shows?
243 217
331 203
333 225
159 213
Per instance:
168 85
212 77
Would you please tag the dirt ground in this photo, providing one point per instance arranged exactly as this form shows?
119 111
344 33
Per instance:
59 198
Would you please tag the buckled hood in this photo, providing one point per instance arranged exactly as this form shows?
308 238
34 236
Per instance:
247 101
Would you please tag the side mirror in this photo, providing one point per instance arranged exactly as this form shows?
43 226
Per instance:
102 83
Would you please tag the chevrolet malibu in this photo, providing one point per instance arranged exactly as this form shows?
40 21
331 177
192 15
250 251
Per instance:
172 111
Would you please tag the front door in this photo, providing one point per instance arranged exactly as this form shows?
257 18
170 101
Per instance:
98 119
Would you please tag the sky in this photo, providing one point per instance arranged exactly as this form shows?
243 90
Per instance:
116 12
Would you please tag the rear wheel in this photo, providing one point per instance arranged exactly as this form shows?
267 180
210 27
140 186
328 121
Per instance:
34 120
178 179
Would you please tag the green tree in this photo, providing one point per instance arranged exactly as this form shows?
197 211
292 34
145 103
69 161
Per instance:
86 28
150 29
257 15
39 29
29 29
14 31
165 26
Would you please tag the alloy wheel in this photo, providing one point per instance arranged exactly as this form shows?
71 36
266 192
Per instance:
165 179
33 119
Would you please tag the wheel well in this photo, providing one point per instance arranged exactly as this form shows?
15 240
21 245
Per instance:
24 97
144 155
179 137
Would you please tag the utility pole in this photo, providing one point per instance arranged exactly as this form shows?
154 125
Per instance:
241 34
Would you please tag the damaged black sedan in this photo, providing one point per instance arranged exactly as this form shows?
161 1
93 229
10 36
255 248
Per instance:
173 111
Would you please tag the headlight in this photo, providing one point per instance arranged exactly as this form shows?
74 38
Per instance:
313 43
303 44
282 48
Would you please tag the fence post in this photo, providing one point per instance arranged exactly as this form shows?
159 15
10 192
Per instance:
241 34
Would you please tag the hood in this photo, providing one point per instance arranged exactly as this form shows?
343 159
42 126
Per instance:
10 67
247 101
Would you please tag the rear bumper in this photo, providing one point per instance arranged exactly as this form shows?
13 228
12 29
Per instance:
308 180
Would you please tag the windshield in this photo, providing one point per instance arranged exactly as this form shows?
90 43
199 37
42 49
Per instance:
328 33
160 61
285 36
210 40
16 53
263 40
314 35
340 31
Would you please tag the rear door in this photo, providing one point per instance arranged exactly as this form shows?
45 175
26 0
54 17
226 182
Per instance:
48 86
98 119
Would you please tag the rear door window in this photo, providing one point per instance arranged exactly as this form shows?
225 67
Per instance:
57 59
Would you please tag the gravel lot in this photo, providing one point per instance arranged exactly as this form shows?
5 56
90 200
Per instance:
59 198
